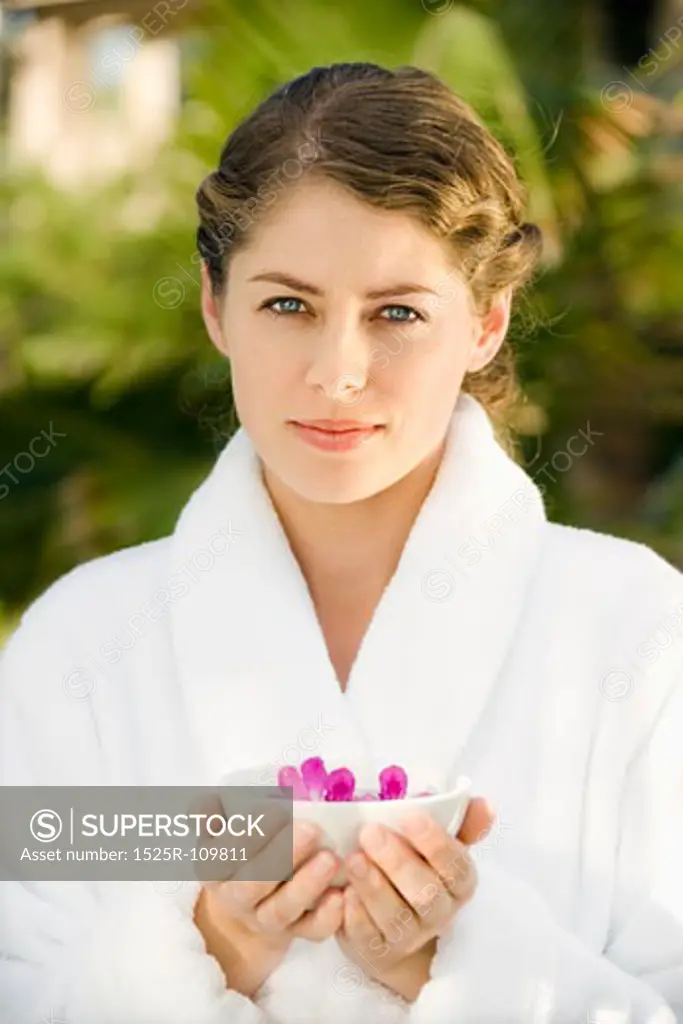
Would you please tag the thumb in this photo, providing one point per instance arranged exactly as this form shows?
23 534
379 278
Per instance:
477 821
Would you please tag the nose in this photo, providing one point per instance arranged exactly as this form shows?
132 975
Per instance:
340 365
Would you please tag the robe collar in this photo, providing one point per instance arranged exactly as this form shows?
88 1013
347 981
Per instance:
257 679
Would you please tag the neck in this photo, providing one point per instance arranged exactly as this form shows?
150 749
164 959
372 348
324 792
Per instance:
353 548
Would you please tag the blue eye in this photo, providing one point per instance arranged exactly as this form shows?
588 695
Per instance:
283 299
412 317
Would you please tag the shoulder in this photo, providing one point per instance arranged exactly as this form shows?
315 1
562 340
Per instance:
94 594
622 572
624 603
57 698
619 595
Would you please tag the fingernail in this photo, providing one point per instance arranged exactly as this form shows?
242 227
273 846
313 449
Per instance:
323 863
373 836
307 830
358 866
334 901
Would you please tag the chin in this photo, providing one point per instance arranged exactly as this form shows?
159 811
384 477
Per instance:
334 483
347 488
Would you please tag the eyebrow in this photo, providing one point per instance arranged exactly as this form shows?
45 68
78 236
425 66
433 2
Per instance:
295 284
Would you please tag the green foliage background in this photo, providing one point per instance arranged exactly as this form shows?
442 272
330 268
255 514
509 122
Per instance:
101 335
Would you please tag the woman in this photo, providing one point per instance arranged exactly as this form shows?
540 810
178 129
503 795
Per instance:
368 567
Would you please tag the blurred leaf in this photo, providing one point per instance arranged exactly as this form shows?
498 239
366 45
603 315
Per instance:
101 335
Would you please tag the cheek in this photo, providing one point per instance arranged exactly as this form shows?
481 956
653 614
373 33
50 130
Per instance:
256 362
266 382
424 367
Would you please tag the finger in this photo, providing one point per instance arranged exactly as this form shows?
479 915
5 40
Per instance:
242 895
322 922
359 927
382 898
210 870
412 876
294 898
447 858
215 837
477 822
303 837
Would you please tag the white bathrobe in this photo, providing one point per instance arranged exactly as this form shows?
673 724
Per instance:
544 661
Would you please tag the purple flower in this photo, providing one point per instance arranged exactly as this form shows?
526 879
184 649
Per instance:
340 785
289 776
315 777
393 783
312 781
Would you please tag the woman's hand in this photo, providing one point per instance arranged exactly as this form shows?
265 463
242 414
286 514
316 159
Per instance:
248 926
403 894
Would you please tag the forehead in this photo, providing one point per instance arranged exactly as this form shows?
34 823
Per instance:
318 230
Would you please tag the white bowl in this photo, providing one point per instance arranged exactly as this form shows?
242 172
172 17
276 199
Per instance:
340 821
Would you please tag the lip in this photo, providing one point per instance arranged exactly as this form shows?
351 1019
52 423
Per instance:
335 435
336 426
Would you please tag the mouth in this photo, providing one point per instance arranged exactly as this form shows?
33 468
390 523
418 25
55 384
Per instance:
336 426
335 435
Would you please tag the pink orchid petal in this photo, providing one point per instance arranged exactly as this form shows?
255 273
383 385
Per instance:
289 776
314 774
340 784
393 783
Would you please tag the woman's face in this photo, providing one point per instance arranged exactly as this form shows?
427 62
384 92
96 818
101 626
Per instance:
336 311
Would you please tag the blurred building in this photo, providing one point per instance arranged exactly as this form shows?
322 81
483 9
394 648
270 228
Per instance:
91 87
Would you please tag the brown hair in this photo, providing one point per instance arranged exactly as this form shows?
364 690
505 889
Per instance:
398 139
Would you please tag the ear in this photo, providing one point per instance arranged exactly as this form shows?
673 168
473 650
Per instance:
211 312
491 331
